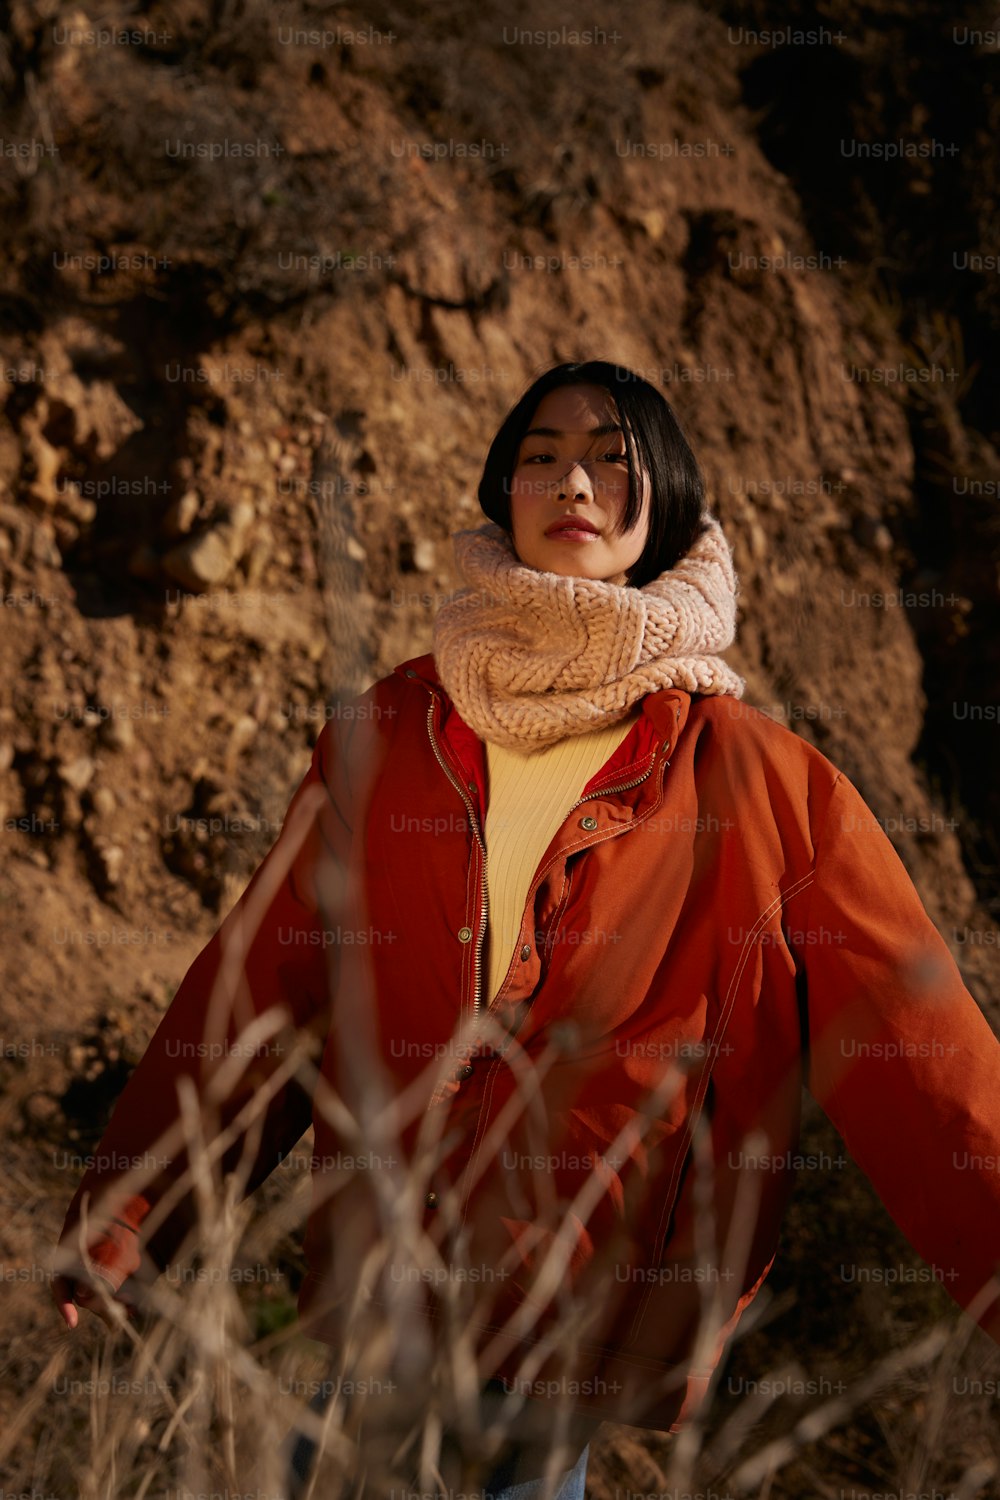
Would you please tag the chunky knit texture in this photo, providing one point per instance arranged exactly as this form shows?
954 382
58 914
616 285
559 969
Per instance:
529 656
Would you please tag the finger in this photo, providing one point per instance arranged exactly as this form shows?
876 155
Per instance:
104 1302
100 1309
62 1295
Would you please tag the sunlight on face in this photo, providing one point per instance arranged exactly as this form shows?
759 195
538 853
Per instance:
571 461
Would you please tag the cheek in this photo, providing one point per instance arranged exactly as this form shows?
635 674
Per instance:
523 489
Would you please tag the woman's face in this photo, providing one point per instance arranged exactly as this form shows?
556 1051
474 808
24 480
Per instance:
571 462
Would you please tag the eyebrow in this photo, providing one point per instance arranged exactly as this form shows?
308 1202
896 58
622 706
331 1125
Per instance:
602 431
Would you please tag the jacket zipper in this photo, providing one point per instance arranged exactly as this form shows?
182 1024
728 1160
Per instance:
477 960
605 791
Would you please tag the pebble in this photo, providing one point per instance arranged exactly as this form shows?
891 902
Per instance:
78 773
202 561
112 858
181 515
242 735
104 801
870 532
209 558
117 733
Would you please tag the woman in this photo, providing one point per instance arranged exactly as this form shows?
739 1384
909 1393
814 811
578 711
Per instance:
566 926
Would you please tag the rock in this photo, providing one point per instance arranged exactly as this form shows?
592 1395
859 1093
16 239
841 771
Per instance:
117 733
239 521
424 556
104 801
112 857
77 1057
758 540
654 222
181 514
209 557
46 459
872 533
77 773
242 735
44 548
197 564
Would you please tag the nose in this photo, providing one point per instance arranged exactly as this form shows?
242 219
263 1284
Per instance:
576 481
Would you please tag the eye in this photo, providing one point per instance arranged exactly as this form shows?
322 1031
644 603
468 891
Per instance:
619 458
534 457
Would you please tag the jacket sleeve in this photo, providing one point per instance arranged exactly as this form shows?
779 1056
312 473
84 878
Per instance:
247 1024
900 1056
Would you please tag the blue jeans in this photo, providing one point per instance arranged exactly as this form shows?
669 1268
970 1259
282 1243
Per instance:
516 1473
501 1486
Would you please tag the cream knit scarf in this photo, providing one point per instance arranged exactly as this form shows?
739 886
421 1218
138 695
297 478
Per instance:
529 657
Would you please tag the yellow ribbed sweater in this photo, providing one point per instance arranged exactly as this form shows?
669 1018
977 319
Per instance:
529 794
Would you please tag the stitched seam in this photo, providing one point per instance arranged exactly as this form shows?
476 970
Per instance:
491 1078
563 902
560 909
583 843
694 1114
723 1021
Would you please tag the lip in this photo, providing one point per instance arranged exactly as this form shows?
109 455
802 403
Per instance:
575 525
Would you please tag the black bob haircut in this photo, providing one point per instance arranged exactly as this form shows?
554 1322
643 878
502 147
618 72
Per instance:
654 441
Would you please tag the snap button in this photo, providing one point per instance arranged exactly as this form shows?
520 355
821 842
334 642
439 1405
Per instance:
431 1200
472 786
464 934
588 823
410 672
465 1071
526 953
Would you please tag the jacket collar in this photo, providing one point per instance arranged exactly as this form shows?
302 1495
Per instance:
663 717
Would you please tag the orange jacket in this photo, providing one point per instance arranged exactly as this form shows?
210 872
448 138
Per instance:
718 920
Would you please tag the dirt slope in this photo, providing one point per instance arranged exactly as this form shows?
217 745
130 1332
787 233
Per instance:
264 299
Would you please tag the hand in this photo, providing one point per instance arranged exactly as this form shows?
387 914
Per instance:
70 1292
